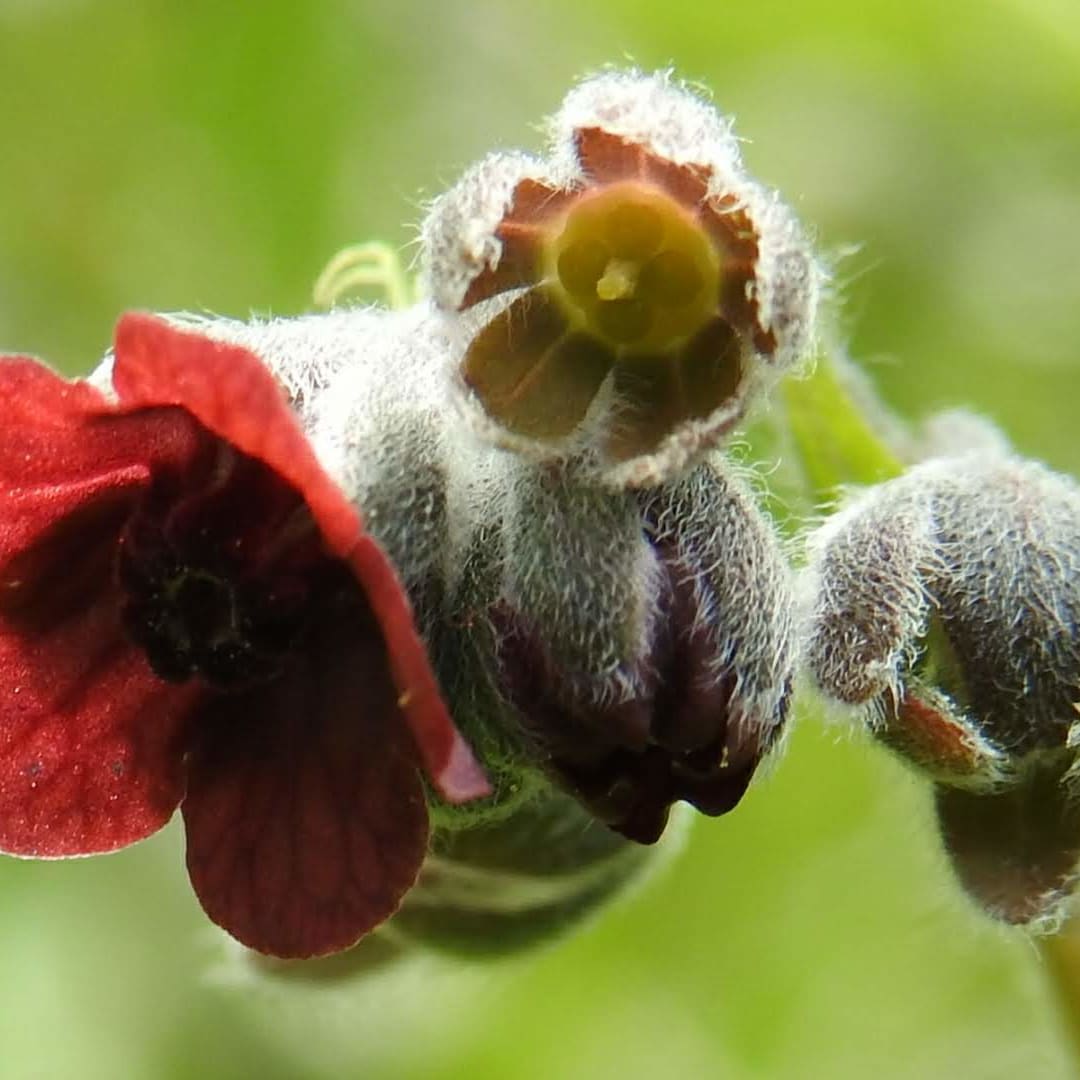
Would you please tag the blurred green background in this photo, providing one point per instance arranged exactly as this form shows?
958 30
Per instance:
212 156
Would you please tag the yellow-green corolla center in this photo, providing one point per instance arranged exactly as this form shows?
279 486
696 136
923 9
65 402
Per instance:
634 268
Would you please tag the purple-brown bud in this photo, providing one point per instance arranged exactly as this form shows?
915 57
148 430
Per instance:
645 641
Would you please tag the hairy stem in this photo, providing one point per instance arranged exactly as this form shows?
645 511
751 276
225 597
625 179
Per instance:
836 439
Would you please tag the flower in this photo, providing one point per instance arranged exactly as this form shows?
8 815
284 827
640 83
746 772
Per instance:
634 293
946 604
644 640
192 614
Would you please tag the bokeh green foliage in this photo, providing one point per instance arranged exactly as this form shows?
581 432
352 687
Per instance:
213 156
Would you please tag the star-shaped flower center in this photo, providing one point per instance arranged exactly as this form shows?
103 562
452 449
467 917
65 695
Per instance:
631 267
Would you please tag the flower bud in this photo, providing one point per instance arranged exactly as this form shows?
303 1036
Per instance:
643 640
523 880
947 604
628 297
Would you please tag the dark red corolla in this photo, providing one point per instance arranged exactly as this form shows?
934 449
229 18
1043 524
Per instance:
191 614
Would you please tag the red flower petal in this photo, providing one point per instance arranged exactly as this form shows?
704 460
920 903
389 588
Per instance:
230 390
90 752
606 158
89 759
61 441
306 820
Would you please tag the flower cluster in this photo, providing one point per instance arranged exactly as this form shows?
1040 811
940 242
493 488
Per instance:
263 573
436 613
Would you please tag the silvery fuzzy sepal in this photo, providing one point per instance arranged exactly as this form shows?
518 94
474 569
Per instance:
528 879
388 425
303 352
946 604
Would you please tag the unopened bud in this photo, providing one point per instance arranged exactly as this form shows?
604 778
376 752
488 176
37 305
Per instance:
947 604
644 641
524 880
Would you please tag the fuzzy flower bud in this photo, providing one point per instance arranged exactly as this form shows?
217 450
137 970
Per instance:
642 640
629 296
947 603
534 876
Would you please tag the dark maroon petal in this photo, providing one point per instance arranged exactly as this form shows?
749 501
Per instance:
90 758
305 815
1016 852
627 763
522 233
735 238
229 390
531 373
606 158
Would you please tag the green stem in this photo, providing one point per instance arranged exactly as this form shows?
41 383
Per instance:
836 441
372 265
